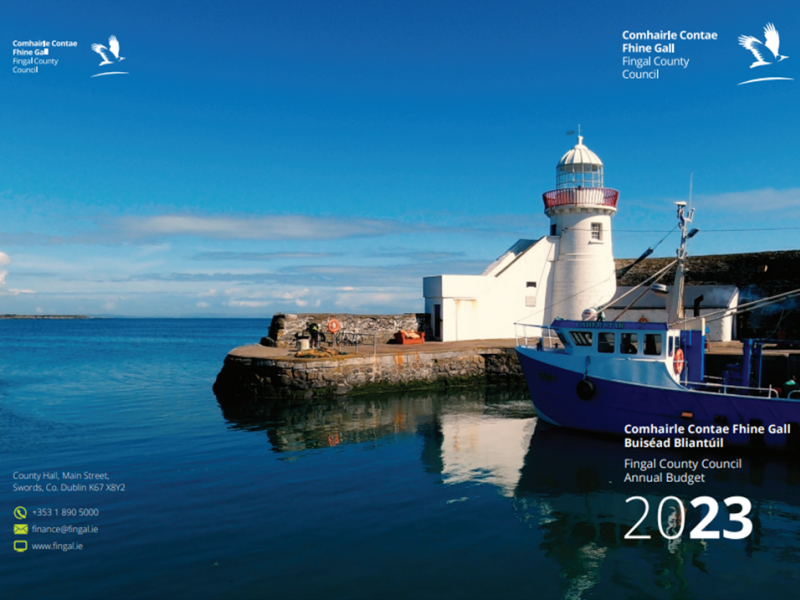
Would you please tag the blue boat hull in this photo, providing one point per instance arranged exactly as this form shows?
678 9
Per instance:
616 404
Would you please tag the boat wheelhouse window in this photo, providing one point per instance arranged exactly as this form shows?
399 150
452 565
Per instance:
581 338
605 342
652 344
629 343
669 348
563 338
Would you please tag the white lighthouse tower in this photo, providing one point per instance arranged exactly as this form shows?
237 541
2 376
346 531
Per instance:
580 211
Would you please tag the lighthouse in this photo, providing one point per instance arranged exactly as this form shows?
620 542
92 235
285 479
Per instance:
580 211
560 273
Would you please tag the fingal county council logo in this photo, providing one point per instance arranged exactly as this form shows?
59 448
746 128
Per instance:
110 56
766 52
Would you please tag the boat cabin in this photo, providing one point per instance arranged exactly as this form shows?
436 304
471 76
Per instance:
651 340
610 345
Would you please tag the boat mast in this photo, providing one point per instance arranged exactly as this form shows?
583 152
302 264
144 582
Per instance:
675 300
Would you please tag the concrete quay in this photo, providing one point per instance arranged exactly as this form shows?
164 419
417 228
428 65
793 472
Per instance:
259 372
256 372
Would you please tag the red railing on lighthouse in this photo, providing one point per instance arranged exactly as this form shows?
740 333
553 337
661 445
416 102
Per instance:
580 197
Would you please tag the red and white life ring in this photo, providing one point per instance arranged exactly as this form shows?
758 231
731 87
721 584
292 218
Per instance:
334 326
679 362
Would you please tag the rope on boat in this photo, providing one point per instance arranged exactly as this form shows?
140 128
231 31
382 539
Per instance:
754 305
636 287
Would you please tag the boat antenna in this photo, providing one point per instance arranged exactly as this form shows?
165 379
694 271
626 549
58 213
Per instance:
675 299
685 217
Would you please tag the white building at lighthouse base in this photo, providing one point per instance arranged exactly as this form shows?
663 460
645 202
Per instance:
486 306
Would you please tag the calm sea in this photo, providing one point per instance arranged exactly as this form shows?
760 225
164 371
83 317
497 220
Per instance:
418 495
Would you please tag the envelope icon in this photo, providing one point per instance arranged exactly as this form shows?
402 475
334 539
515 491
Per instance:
21 529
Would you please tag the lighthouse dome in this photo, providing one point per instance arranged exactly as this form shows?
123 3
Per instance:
580 167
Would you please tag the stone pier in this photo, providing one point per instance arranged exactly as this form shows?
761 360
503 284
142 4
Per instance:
259 372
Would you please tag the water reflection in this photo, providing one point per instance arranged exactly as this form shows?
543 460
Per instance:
471 434
572 490
294 427
480 448
567 490
468 436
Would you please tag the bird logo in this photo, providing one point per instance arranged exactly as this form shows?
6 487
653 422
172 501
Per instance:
113 47
772 40
110 55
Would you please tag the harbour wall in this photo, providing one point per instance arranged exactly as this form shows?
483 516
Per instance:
284 327
246 376
251 373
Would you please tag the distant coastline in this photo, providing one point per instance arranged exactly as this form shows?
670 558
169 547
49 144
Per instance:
43 317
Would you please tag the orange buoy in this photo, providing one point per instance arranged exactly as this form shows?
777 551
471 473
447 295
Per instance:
679 361
643 320
334 326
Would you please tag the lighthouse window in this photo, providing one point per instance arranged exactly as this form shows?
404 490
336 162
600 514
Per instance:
652 344
581 338
597 231
553 229
605 342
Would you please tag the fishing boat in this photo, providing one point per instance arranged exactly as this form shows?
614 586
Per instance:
646 380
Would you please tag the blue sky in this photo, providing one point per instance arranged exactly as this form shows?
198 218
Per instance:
302 156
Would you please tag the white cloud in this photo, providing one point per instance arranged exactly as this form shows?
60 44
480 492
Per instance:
378 298
4 260
203 304
239 295
295 294
276 227
248 303
208 294
754 200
